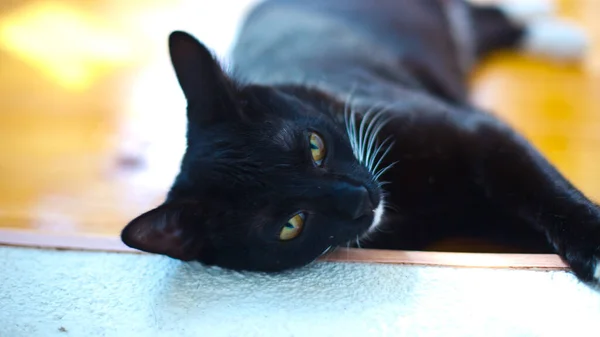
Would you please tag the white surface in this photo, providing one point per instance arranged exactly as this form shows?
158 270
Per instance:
556 39
547 35
108 294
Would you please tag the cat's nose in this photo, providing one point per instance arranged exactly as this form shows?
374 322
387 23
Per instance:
354 201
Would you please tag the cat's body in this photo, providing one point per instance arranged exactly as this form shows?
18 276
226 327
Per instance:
339 45
329 99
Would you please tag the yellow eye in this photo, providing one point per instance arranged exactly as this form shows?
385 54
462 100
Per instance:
317 148
292 228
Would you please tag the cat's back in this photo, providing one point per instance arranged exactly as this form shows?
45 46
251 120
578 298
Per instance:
366 41
389 22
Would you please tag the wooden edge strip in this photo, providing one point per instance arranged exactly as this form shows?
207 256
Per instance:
63 241
449 259
483 260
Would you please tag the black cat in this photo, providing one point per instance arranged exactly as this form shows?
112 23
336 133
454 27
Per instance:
339 109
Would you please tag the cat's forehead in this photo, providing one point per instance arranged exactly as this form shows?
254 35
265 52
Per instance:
285 136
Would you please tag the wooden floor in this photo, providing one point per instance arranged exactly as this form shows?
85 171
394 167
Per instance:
91 118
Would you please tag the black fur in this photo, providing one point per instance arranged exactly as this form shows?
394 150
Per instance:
311 66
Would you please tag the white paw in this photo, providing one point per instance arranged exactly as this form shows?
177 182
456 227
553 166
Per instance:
556 39
523 12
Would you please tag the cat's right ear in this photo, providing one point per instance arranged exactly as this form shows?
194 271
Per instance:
206 87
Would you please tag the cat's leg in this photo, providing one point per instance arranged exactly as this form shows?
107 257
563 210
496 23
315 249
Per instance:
450 164
530 26
517 178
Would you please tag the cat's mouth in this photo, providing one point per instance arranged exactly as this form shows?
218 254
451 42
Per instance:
375 217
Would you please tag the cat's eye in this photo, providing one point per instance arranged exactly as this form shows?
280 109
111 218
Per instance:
293 227
317 148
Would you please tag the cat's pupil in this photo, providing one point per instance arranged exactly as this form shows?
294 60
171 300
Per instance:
313 146
289 225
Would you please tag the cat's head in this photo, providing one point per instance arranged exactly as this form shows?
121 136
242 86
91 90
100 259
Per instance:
268 181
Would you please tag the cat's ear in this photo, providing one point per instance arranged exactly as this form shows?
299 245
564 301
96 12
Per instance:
206 87
163 230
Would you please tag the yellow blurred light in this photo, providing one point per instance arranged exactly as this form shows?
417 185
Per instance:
69 45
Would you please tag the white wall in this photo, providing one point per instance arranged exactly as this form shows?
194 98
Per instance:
111 294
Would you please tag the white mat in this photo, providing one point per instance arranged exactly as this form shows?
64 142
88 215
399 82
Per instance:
69 293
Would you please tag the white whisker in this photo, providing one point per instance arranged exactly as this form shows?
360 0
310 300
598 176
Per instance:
380 173
370 166
363 136
376 167
354 138
378 129
326 250
348 101
390 206
349 119
371 136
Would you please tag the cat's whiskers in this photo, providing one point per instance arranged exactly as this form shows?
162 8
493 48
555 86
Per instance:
376 166
367 235
327 250
364 137
358 242
372 166
373 130
351 130
347 116
382 171
362 134
388 205
369 151
350 122
351 133
367 120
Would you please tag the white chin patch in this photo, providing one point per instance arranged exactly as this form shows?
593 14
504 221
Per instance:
377 215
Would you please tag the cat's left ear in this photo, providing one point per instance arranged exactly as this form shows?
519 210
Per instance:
207 89
164 230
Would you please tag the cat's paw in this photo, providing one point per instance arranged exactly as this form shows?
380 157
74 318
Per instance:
556 39
584 260
524 12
